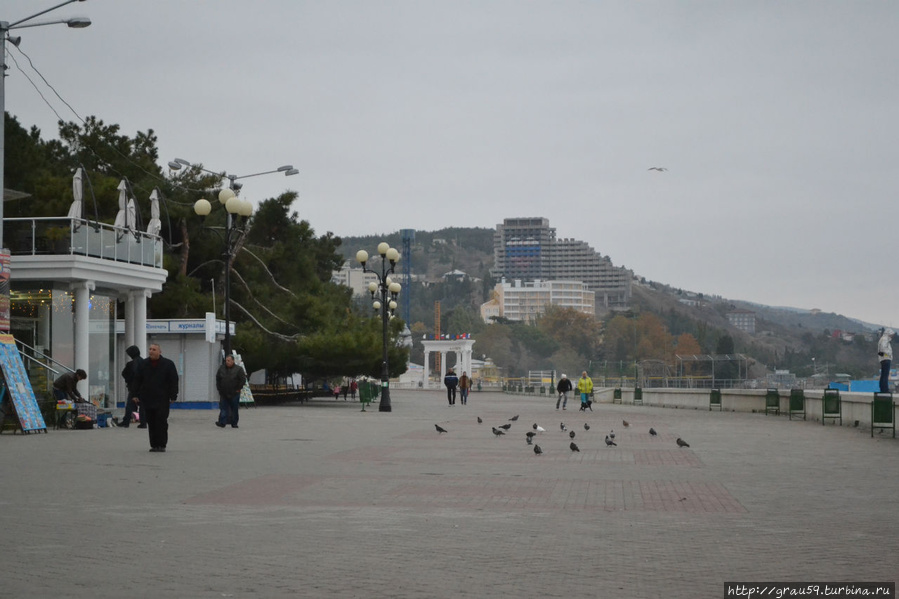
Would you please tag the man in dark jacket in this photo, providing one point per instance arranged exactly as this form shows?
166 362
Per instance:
563 388
156 385
451 381
130 391
66 386
229 380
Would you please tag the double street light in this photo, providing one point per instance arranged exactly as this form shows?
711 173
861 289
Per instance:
386 291
5 28
238 213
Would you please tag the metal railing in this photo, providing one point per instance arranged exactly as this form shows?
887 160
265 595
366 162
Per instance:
80 237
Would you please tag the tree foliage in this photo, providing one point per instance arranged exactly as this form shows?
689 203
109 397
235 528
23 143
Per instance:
289 316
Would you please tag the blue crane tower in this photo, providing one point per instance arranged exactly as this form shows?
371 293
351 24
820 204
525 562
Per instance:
408 236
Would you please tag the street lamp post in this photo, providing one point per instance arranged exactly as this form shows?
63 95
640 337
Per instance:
238 213
5 28
387 291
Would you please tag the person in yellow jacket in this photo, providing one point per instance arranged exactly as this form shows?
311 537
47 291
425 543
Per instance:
585 387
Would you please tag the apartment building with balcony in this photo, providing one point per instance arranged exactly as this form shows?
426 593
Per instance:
526 249
526 300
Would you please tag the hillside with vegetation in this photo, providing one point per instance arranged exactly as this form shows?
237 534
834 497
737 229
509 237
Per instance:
665 320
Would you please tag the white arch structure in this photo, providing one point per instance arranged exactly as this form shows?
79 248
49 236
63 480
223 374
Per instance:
462 349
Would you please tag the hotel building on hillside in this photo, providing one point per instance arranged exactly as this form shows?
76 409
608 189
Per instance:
526 249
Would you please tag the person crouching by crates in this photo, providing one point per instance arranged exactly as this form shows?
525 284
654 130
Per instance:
156 382
66 386
229 380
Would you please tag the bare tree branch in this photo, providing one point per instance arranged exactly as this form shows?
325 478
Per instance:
258 324
258 303
274 282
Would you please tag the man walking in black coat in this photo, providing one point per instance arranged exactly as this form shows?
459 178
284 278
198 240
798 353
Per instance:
156 383
451 381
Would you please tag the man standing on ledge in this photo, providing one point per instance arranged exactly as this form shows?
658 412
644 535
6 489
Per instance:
156 383
885 353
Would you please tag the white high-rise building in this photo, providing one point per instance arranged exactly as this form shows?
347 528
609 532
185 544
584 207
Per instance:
526 249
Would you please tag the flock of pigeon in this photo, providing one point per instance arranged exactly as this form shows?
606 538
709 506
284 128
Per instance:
502 429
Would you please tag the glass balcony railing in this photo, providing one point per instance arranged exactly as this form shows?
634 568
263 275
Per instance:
79 237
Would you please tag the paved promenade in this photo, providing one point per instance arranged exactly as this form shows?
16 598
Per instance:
323 500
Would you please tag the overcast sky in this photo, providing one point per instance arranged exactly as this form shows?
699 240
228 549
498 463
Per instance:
777 121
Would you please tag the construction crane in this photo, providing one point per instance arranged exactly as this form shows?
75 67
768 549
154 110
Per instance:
408 236
437 334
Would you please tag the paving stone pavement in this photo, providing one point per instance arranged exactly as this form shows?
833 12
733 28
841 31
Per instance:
323 500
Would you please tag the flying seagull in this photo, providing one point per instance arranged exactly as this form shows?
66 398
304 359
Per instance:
571 434
586 426
574 447
479 420
439 428
498 432
537 450
653 432
610 443
682 443
513 418
661 169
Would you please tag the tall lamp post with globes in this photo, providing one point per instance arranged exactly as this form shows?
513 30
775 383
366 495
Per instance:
5 28
239 212
386 291
235 226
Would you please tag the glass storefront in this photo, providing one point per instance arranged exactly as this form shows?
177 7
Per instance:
43 318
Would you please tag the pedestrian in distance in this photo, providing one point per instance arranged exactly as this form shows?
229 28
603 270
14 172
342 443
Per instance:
885 353
156 383
451 381
585 388
229 380
128 372
563 387
354 386
65 387
464 388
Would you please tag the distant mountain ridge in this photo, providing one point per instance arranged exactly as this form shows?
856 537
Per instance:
470 249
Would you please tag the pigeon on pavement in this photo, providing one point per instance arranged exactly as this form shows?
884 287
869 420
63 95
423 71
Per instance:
498 432
653 432
612 434
537 450
539 429
530 439
625 423
574 447
439 428
505 426
479 420
562 426
682 443
586 426
610 443
571 434
513 418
